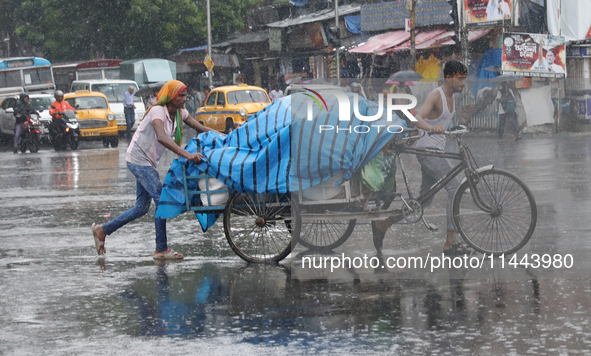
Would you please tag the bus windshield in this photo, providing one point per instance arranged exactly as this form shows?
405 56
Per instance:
36 76
114 91
10 79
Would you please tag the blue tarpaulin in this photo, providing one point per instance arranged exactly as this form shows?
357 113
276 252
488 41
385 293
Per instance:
354 24
280 151
492 57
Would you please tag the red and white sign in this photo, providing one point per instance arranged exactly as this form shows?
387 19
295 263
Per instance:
407 25
588 33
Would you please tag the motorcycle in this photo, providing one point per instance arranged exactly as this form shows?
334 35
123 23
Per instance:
64 131
31 137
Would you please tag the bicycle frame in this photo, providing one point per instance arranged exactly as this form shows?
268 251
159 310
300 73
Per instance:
467 164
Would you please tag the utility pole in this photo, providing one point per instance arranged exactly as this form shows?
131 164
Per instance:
338 33
413 50
209 42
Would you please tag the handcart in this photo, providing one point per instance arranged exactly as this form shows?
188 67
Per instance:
493 210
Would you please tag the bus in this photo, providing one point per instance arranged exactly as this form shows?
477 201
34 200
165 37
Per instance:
101 69
29 74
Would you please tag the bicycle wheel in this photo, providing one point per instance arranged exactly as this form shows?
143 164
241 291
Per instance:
259 227
510 221
325 234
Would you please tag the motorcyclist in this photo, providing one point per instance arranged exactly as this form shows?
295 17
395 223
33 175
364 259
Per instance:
59 106
57 109
21 111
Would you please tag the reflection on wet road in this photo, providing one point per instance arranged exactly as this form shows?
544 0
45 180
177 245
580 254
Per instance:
59 298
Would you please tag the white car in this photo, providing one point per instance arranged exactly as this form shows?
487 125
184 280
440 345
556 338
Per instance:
39 102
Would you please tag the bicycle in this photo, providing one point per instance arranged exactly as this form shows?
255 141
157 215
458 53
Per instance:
493 210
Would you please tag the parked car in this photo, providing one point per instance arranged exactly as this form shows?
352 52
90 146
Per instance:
96 120
40 103
228 107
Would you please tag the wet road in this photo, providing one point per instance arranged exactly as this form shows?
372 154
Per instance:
57 297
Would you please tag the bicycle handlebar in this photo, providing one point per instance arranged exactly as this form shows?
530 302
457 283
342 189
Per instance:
456 130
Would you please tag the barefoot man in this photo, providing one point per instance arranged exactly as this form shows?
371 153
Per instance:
436 114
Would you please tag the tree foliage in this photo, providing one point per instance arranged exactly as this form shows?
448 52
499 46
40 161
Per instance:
67 30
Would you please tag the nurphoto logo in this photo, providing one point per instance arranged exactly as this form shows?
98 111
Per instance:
345 110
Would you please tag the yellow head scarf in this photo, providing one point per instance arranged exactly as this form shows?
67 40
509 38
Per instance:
168 93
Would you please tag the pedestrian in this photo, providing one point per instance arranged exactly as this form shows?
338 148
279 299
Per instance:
21 111
191 103
506 100
160 129
276 93
346 86
436 114
205 93
129 110
153 98
356 88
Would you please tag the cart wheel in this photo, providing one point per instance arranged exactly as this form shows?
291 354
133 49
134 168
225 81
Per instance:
511 220
325 234
259 227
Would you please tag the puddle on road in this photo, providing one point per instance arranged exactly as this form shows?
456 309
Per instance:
57 297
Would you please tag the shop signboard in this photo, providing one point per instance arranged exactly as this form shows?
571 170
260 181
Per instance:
487 12
534 55
308 36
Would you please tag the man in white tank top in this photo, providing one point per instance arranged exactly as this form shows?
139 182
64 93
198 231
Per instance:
436 114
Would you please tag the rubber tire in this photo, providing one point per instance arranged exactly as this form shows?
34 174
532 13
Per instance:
114 141
106 142
459 194
229 126
293 228
74 143
35 144
315 246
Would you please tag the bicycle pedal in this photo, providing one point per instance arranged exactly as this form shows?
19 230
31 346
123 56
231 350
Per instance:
429 226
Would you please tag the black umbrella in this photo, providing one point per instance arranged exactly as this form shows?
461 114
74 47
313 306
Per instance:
504 78
405 74
148 89
493 68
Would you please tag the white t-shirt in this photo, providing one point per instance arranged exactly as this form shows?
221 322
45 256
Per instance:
144 149
499 95
275 94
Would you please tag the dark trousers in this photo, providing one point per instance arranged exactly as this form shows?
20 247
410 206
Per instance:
18 133
512 118
129 120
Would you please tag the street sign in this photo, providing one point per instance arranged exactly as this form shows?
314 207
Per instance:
407 25
208 63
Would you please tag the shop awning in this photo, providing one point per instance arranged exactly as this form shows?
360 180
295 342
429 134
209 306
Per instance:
317 16
438 38
381 42
472 36
420 39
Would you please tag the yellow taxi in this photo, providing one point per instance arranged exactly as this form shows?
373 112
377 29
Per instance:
228 107
97 121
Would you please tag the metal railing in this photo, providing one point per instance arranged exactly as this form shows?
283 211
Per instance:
487 118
